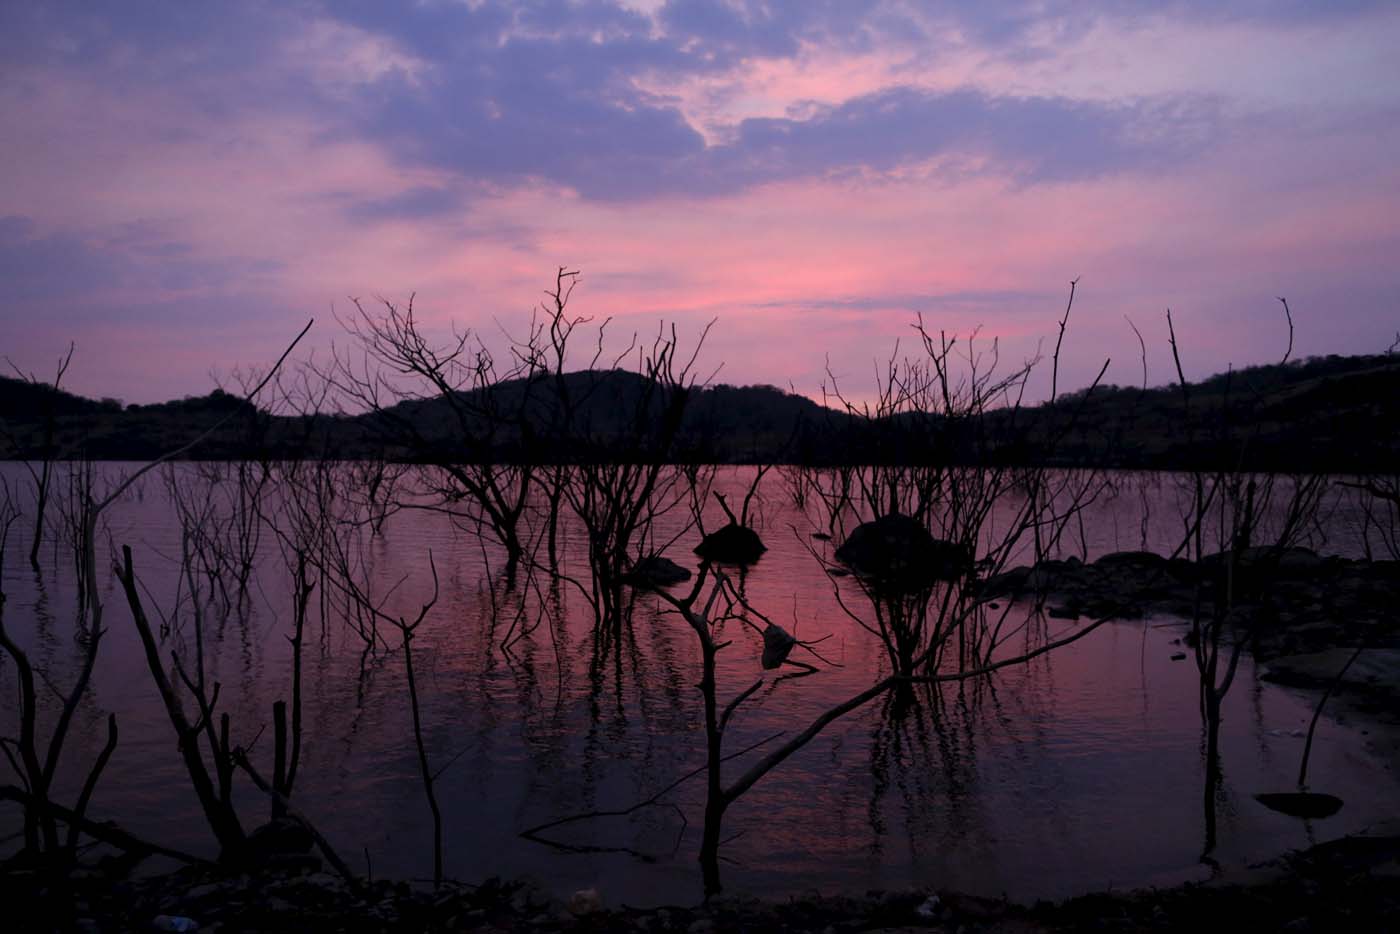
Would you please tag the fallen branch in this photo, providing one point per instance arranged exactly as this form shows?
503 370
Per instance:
105 831
240 759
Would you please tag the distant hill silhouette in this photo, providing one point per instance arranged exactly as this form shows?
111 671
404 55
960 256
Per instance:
721 423
1326 413
21 401
1323 413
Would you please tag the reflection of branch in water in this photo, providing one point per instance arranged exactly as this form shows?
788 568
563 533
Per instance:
884 746
534 833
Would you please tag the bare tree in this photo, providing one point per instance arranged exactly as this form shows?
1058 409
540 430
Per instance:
42 476
450 408
933 470
37 770
1238 524
215 792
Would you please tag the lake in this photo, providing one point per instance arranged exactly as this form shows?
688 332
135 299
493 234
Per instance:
1077 771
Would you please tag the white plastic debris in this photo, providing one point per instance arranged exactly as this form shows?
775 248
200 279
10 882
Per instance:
929 909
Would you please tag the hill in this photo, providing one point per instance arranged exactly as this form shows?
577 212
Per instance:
1332 413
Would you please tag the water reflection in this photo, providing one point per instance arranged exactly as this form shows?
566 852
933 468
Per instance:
1080 768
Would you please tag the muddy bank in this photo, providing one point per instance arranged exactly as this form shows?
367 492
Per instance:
1347 885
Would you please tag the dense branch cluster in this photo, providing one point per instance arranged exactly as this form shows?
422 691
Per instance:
535 463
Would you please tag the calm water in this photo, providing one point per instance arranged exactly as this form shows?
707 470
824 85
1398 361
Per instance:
1078 771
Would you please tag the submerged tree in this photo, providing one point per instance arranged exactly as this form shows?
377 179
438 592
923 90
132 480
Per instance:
932 515
1239 524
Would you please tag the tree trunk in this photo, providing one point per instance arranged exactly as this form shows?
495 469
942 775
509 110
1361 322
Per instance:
715 800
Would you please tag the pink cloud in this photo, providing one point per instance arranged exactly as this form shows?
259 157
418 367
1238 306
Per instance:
260 210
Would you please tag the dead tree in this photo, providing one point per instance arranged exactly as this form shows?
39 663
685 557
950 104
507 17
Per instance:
37 770
941 631
449 408
215 792
407 630
1238 524
723 602
937 485
42 476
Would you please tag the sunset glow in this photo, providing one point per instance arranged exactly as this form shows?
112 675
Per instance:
185 185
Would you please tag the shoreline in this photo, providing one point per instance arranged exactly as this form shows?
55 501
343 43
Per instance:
1301 621
1350 884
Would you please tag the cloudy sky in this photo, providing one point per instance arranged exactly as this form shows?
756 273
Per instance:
184 184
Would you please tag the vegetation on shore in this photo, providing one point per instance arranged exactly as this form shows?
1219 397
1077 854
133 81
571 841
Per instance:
1317 414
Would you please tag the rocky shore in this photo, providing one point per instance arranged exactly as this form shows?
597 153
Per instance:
1287 602
1302 615
1350 885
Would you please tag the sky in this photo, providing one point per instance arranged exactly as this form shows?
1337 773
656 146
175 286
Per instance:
183 185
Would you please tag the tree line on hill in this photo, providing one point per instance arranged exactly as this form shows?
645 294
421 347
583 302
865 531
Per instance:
1333 413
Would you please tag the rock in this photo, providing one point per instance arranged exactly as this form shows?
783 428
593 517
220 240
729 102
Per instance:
1010 582
974 908
1044 576
1376 669
1260 568
1304 804
1131 560
1387 870
1183 569
279 906
1301 562
655 571
292 863
777 645
283 835
585 902
896 551
325 880
732 544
